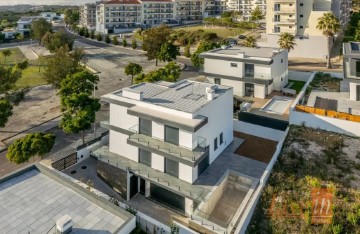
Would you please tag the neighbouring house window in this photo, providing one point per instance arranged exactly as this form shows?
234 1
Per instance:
276 29
217 81
282 60
221 138
249 70
145 157
277 18
145 127
233 64
215 144
301 4
301 26
172 135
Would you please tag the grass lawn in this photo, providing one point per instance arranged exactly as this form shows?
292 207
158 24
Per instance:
15 57
221 32
31 77
312 161
297 85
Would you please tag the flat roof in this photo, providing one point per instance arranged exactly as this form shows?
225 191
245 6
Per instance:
258 52
187 96
32 200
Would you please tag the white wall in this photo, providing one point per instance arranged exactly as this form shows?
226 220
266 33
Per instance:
219 113
157 162
259 131
299 76
222 67
120 118
128 227
186 139
158 130
259 91
118 145
325 123
238 85
353 90
186 173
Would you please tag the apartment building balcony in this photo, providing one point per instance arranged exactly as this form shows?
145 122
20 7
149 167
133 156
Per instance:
283 10
171 151
284 1
284 22
288 30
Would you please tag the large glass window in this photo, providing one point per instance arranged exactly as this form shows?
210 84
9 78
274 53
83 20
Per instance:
172 135
358 68
145 127
145 157
221 138
171 167
249 70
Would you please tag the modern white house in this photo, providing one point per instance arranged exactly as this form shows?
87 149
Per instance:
171 131
351 67
24 24
49 16
254 72
9 33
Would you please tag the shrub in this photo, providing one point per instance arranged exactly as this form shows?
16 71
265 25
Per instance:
115 41
92 34
107 39
133 44
99 37
187 51
208 36
23 65
124 42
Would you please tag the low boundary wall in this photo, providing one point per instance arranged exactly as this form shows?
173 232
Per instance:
257 130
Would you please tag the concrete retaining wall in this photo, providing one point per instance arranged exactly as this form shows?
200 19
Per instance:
257 130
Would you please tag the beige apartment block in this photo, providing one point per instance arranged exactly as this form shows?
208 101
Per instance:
88 15
245 7
156 12
189 11
300 18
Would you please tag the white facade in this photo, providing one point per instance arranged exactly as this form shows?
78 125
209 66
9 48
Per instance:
250 71
24 24
49 16
245 7
218 122
300 18
351 67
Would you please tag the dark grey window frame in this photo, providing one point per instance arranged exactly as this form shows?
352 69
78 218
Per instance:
147 161
215 143
221 137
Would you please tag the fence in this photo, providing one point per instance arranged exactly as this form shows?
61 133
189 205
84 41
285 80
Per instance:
93 141
328 113
65 162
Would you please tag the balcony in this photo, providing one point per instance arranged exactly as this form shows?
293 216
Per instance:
168 150
285 21
283 10
251 75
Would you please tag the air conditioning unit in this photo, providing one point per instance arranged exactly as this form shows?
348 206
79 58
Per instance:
64 225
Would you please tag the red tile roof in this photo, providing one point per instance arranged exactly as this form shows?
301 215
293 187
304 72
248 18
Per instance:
120 2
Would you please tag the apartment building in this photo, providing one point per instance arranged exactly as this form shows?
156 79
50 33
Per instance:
114 15
250 71
351 67
245 7
189 11
88 15
156 12
300 18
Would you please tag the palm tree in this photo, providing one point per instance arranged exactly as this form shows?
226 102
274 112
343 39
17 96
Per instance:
329 24
287 41
250 41
6 54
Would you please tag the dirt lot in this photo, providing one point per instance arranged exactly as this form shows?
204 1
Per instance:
311 161
255 147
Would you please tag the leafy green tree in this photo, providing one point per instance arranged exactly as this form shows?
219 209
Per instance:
287 41
329 24
187 53
133 44
107 39
5 111
39 28
115 41
82 31
34 144
171 72
99 37
2 37
54 41
133 69
92 34
250 41
71 16
6 53
62 64
8 78
257 15
203 47
153 39
124 42
78 107
168 52
20 37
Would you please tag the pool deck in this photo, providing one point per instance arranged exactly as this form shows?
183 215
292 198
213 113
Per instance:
259 103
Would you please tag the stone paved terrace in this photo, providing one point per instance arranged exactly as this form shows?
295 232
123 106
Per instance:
31 201
343 102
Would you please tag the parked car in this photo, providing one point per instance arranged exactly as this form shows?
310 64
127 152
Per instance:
242 36
231 41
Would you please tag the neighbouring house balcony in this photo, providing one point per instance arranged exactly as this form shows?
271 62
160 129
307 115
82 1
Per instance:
171 151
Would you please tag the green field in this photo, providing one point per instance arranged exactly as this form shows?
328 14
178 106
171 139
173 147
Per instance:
221 32
30 76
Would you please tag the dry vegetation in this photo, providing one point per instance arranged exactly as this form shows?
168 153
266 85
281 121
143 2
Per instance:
312 159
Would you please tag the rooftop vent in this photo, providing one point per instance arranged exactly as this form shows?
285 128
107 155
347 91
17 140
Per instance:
64 225
133 94
210 93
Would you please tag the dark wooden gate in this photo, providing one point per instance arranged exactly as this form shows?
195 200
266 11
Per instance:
65 162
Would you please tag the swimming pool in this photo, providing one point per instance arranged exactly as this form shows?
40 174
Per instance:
278 105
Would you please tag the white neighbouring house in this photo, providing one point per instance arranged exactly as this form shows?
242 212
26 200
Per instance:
24 24
351 60
250 71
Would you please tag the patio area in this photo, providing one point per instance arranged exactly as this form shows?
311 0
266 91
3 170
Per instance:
257 105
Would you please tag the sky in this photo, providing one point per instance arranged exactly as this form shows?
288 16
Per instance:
44 2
